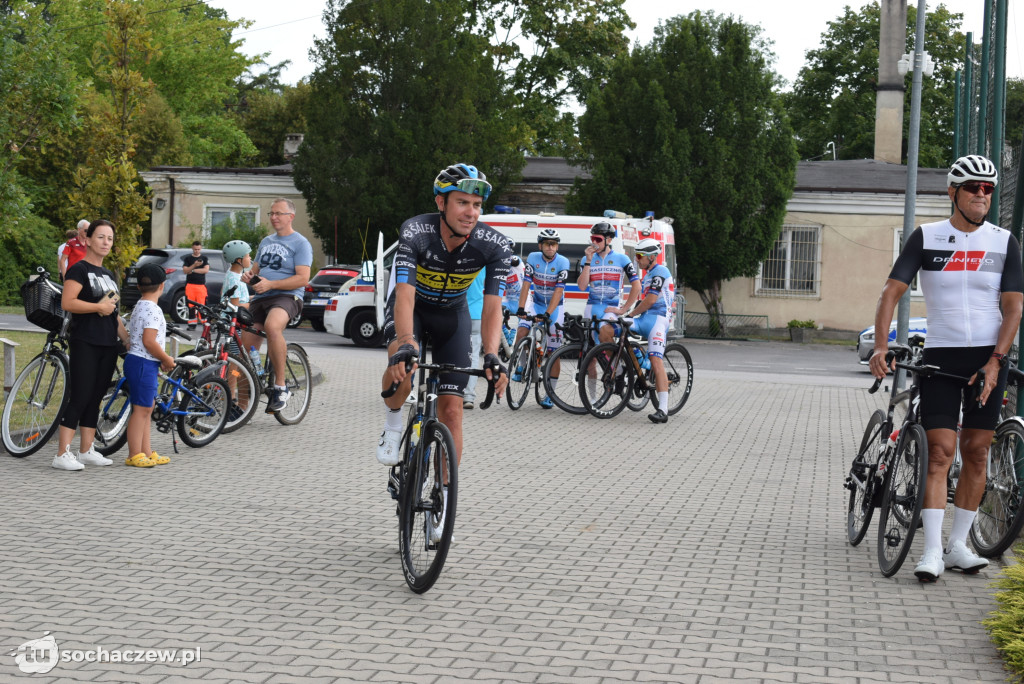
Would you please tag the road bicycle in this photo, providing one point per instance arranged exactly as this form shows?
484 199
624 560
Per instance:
891 466
564 389
221 340
425 481
40 393
528 357
192 398
615 375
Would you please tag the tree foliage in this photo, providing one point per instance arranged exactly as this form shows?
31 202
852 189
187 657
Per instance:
268 114
689 126
833 99
25 243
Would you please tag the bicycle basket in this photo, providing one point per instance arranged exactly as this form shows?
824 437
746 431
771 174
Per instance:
42 303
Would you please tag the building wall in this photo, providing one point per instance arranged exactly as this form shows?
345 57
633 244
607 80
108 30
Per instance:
857 253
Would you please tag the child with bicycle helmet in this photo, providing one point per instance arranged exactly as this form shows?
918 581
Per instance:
238 253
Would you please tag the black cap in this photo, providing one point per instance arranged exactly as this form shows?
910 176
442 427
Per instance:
151 274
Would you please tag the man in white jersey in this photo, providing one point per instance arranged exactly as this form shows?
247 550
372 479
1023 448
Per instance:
970 273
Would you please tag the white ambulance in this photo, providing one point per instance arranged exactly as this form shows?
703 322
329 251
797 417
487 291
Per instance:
356 311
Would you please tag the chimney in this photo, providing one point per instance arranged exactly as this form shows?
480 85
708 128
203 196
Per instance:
891 86
292 142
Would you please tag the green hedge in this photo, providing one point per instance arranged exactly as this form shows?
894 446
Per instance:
26 244
1006 624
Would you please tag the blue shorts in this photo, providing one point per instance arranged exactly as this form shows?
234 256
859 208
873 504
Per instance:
142 376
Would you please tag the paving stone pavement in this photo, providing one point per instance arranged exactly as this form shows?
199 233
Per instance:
711 549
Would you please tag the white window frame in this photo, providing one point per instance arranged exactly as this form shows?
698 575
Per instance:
233 209
897 247
761 291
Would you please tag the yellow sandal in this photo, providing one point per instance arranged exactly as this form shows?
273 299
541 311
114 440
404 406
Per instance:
158 459
139 461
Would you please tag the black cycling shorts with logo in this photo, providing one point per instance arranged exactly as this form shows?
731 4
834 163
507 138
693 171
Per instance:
941 398
448 331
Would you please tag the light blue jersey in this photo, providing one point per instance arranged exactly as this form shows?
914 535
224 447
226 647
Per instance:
659 281
605 286
278 256
547 276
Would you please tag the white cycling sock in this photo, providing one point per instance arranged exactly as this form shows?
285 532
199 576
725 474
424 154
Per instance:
962 521
592 386
554 382
932 519
393 419
663 401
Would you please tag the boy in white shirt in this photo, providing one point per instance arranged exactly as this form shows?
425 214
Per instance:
146 356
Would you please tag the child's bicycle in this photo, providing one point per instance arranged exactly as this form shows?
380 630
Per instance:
425 481
193 399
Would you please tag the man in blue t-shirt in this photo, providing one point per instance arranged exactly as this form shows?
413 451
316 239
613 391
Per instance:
278 275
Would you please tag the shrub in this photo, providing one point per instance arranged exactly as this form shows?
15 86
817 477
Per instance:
225 232
25 244
1006 624
801 324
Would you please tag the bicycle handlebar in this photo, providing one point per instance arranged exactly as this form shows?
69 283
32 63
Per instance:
447 368
900 351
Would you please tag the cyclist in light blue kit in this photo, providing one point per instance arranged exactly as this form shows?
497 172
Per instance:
601 276
653 317
546 271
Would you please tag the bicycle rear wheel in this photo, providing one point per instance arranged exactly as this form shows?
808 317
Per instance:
204 418
244 387
521 367
679 368
565 394
614 380
861 480
35 404
901 503
299 381
1001 515
427 516
112 426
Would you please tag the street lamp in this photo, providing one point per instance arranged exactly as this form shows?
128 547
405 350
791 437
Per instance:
903 66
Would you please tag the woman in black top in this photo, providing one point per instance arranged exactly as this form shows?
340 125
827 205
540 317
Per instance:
90 296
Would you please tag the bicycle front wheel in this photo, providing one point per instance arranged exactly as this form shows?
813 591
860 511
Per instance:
861 480
1000 515
521 372
427 511
298 378
639 398
35 404
244 388
112 426
565 389
903 498
204 414
679 368
612 375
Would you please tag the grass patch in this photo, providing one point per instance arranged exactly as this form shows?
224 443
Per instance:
16 310
29 344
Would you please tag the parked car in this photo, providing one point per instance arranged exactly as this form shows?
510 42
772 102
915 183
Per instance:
324 285
172 301
866 339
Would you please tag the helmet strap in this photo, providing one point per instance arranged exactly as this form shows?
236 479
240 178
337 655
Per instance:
956 205
444 220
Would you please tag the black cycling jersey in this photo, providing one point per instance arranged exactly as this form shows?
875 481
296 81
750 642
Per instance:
441 277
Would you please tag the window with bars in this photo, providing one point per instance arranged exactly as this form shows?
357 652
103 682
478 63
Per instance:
793 267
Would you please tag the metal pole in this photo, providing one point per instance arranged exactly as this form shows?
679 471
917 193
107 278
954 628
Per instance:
965 139
913 147
998 102
986 44
958 116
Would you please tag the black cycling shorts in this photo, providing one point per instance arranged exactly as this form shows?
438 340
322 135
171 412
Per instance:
941 398
447 331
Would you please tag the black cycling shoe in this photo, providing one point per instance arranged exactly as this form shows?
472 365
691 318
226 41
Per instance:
658 416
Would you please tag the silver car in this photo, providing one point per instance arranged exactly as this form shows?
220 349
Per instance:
866 339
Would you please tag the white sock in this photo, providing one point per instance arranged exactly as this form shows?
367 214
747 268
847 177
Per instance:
592 386
393 419
554 382
281 388
932 518
962 521
663 401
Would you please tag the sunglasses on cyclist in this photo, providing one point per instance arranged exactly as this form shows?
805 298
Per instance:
597 238
974 186
473 186
549 243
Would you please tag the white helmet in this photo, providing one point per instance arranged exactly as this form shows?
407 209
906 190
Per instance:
648 247
548 234
973 167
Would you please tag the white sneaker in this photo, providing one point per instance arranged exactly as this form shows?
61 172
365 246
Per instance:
93 457
959 557
66 461
436 530
388 447
931 566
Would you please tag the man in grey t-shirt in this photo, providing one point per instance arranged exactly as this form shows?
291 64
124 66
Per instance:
278 275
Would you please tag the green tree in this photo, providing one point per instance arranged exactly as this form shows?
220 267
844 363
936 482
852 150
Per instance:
269 114
833 99
400 90
706 140
1015 112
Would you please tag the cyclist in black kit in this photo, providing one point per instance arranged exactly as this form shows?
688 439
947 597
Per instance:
970 273
438 256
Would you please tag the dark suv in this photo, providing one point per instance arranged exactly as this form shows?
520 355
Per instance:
172 301
324 285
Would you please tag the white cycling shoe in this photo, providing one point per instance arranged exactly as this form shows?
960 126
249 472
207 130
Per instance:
959 557
931 566
388 447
